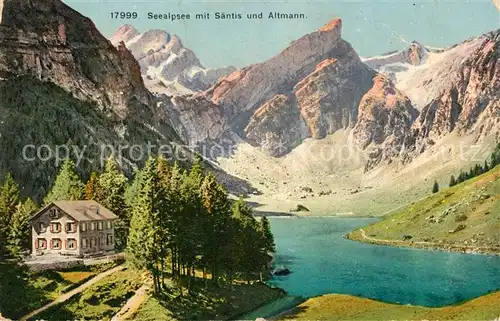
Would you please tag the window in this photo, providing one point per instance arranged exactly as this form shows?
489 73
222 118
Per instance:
101 240
83 227
41 227
109 239
71 244
109 225
41 244
92 226
55 244
55 227
70 227
92 242
99 225
53 213
85 243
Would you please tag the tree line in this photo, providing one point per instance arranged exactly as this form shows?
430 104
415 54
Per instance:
172 221
15 228
474 171
183 221
477 169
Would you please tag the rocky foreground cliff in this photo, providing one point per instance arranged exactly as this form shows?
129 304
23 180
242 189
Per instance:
64 84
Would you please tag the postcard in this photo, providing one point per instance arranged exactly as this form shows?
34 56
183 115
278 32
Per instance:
249 160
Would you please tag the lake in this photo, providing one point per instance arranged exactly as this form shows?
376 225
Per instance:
322 261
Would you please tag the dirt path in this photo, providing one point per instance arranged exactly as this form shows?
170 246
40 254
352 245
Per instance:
71 293
428 244
133 304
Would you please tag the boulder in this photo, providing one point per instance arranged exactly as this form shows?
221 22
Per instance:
300 208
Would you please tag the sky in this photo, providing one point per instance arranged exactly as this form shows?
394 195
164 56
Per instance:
373 27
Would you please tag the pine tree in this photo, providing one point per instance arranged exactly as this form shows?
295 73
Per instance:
9 201
164 171
67 185
197 172
435 187
495 157
453 182
111 190
92 190
461 177
190 220
145 237
265 229
251 253
112 184
218 213
486 167
20 232
131 192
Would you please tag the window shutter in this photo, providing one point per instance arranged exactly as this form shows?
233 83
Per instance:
51 244
36 244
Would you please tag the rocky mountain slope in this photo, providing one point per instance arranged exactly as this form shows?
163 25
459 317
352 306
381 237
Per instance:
64 84
422 115
319 85
166 65
456 89
310 90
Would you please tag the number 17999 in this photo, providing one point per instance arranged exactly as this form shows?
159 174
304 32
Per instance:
123 15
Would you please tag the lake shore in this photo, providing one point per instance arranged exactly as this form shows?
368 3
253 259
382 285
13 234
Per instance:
360 236
348 307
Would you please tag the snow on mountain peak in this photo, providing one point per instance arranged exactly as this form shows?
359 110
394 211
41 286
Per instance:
166 65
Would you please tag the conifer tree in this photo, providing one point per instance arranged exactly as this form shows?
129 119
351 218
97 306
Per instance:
435 187
495 157
9 200
111 190
131 192
145 235
20 232
92 190
218 213
486 167
251 254
190 229
453 182
197 172
265 229
112 184
67 185
175 212
9 195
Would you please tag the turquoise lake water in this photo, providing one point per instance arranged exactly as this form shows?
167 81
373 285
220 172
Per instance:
322 261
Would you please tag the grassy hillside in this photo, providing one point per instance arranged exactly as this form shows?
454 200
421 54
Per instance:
465 217
346 307
100 301
22 291
223 302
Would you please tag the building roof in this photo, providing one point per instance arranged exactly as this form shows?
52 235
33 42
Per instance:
82 210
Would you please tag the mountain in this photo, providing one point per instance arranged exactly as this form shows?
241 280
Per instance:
310 90
456 89
166 65
67 91
318 117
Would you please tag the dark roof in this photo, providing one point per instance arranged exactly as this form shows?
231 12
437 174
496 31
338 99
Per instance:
82 210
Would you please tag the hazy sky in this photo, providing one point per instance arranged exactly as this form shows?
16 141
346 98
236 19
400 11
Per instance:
371 26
